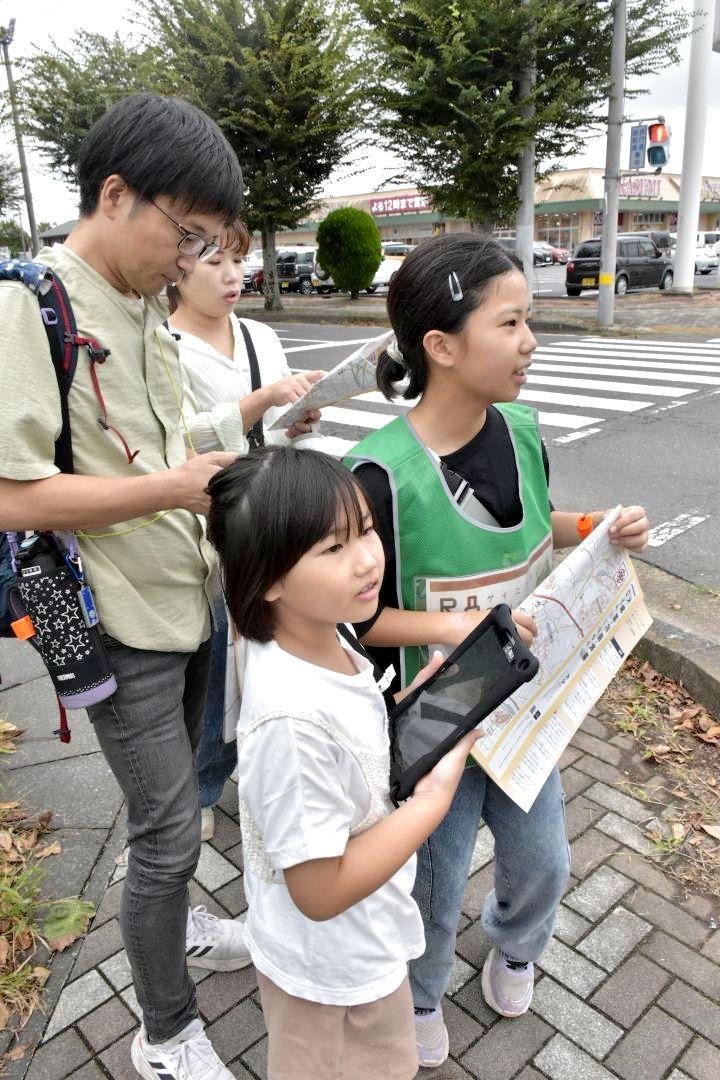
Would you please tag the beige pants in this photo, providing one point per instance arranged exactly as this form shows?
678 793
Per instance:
309 1041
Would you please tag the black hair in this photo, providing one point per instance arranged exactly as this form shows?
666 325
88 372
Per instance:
161 146
266 510
234 237
420 299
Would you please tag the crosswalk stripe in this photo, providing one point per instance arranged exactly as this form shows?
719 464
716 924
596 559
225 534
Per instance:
652 343
616 361
578 348
611 387
329 345
627 373
373 420
585 401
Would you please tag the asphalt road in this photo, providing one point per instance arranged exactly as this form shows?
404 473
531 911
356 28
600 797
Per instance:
632 421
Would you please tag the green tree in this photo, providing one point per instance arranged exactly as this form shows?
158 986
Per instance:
11 237
448 86
349 248
63 92
281 77
10 191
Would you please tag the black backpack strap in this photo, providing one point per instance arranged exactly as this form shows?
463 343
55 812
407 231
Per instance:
256 435
61 330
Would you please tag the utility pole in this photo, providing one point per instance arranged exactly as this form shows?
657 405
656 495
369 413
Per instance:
5 40
606 298
525 220
698 92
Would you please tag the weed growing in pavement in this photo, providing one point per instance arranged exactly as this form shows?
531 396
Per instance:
31 925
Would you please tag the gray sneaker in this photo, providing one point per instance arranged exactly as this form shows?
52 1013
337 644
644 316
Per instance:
507 984
433 1044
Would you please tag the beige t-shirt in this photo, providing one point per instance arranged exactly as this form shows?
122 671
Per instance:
149 584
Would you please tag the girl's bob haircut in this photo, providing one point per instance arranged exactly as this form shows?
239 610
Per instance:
266 510
234 237
420 299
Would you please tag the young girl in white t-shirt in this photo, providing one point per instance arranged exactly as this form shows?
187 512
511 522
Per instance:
329 865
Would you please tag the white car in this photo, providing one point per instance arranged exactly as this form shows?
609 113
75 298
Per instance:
705 263
386 271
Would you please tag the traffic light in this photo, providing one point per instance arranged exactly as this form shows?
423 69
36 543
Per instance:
658 151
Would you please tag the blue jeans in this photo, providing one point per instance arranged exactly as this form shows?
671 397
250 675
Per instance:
216 759
148 731
532 864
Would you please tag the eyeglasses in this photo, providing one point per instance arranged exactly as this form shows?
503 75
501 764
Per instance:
190 243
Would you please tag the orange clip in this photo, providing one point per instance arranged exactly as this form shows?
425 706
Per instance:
584 525
23 628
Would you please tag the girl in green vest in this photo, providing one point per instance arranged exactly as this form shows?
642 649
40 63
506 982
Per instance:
460 489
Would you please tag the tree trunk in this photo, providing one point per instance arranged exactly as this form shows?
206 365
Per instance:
483 228
271 290
354 294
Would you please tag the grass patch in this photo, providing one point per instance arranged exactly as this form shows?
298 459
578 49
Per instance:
31 925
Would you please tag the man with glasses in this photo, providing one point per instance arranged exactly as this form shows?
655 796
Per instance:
150 168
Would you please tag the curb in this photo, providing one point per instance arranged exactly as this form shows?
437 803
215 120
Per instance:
691 660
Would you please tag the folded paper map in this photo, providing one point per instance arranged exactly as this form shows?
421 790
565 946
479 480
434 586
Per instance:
352 376
590 613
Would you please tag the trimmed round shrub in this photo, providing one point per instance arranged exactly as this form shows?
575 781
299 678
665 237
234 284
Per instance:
349 248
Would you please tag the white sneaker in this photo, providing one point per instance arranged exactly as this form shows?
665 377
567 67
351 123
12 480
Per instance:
507 984
189 1056
431 1037
216 944
207 822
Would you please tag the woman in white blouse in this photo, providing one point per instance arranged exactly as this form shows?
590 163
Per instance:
220 409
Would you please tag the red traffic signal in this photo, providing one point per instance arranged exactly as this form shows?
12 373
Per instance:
658 151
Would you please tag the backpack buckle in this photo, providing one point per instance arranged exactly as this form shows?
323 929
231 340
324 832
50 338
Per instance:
49 316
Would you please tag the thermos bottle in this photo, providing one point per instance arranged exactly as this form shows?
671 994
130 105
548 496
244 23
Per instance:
61 616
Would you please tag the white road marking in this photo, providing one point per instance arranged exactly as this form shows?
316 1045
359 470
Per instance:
628 373
576 435
330 345
670 529
612 387
639 366
585 401
651 343
680 360
373 420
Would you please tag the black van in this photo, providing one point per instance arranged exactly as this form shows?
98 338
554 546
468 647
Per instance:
639 265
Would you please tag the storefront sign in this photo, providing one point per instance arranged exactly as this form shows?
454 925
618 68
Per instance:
710 191
399 204
639 187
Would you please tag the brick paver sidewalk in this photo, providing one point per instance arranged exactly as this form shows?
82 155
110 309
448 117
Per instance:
629 986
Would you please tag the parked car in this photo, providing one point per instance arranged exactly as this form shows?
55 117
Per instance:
560 254
295 269
639 264
542 253
705 263
253 274
387 269
395 247
707 242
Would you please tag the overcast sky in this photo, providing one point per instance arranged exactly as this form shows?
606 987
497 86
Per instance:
44 20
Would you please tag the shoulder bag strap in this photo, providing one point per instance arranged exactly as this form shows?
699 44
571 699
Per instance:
256 435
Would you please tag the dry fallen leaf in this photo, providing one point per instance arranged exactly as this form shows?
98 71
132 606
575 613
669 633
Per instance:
695 841
41 974
4 950
4 1016
18 1051
661 748
6 842
678 831
711 830
50 849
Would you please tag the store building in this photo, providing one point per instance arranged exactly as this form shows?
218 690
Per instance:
568 209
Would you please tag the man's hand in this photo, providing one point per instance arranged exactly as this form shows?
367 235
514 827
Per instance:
288 391
460 624
631 529
192 478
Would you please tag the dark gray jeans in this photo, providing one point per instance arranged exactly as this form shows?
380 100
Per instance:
149 731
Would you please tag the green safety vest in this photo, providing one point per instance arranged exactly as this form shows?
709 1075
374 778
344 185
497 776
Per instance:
445 560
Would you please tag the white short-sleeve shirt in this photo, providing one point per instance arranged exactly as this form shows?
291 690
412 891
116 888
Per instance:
305 793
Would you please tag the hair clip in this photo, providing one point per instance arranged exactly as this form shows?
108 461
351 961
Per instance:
456 292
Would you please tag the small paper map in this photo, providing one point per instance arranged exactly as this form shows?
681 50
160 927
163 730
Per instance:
352 376
590 613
